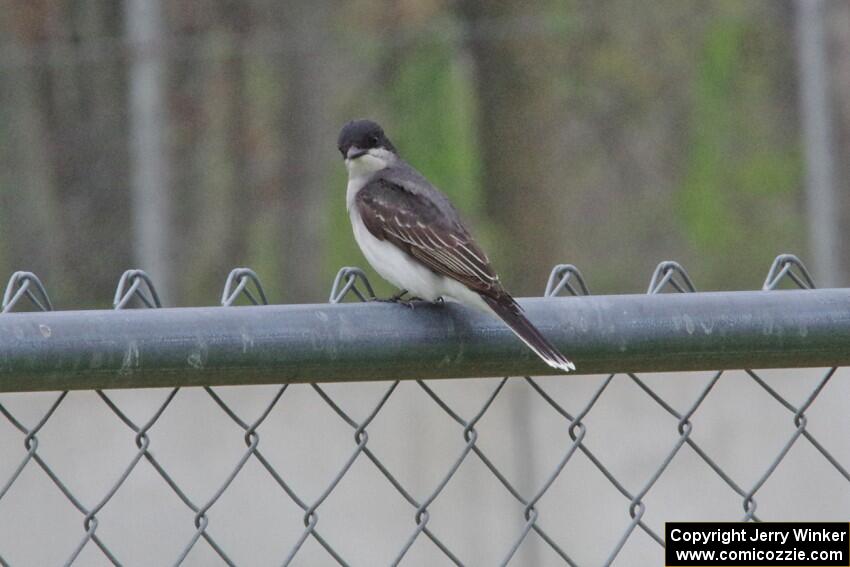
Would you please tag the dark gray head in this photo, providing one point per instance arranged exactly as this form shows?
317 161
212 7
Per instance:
359 136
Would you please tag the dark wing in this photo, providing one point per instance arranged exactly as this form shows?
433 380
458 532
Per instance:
418 226
412 215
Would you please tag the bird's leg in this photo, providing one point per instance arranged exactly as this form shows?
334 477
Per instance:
397 298
412 301
409 302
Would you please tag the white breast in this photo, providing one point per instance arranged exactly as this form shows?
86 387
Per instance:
395 265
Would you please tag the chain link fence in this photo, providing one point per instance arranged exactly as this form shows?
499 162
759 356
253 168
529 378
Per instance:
520 470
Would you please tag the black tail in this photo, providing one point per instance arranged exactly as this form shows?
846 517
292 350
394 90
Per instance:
510 312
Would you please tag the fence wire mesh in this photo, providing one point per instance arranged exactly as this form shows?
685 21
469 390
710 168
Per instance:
522 498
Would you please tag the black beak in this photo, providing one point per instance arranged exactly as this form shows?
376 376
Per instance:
354 152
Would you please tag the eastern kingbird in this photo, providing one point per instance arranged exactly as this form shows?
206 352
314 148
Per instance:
414 238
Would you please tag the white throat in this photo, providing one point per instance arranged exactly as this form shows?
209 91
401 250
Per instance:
361 170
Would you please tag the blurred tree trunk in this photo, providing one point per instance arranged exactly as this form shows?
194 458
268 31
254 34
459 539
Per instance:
97 209
838 38
223 189
517 136
307 142
73 148
89 159
818 134
30 209
150 155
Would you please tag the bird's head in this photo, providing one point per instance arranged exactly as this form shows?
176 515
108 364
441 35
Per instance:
364 146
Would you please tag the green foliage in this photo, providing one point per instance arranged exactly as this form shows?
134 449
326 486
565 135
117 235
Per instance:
738 199
432 99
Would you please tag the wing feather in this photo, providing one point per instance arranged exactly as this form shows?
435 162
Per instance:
417 225
423 224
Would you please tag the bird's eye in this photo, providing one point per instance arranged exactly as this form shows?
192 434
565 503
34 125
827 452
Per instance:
374 141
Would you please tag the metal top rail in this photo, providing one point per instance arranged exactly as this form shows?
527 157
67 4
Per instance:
376 341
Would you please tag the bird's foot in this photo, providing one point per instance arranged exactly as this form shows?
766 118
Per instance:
409 302
397 298
392 299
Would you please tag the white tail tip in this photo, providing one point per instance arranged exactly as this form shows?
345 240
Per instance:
564 366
